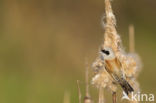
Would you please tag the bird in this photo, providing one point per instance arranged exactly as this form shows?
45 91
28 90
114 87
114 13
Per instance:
114 68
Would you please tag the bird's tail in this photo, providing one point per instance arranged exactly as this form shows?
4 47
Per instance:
126 86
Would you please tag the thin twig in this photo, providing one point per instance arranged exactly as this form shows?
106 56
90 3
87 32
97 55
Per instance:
86 78
101 96
114 97
79 91
87 98
131 39
132 47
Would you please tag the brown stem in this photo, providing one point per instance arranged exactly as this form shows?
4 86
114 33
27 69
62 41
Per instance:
101 96
86 77
87 98
79 91
114 97
131 39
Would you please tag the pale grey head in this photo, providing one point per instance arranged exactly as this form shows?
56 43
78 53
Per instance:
107 53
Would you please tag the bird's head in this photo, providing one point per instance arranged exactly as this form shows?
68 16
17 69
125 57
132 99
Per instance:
107 53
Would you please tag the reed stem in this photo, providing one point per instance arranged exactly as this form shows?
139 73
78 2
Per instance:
131 39
114 97
79 91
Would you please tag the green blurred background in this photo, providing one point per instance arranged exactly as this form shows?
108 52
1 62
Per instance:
44 43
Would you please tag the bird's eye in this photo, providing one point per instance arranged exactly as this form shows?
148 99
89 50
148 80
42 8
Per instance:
105 51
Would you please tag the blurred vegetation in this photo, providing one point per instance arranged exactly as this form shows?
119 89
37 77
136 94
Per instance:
44 43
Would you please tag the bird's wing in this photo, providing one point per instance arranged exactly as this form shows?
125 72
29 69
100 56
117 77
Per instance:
114 69
119 78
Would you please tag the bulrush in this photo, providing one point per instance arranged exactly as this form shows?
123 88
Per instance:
114 66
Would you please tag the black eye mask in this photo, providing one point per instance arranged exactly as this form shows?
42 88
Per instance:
105 51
